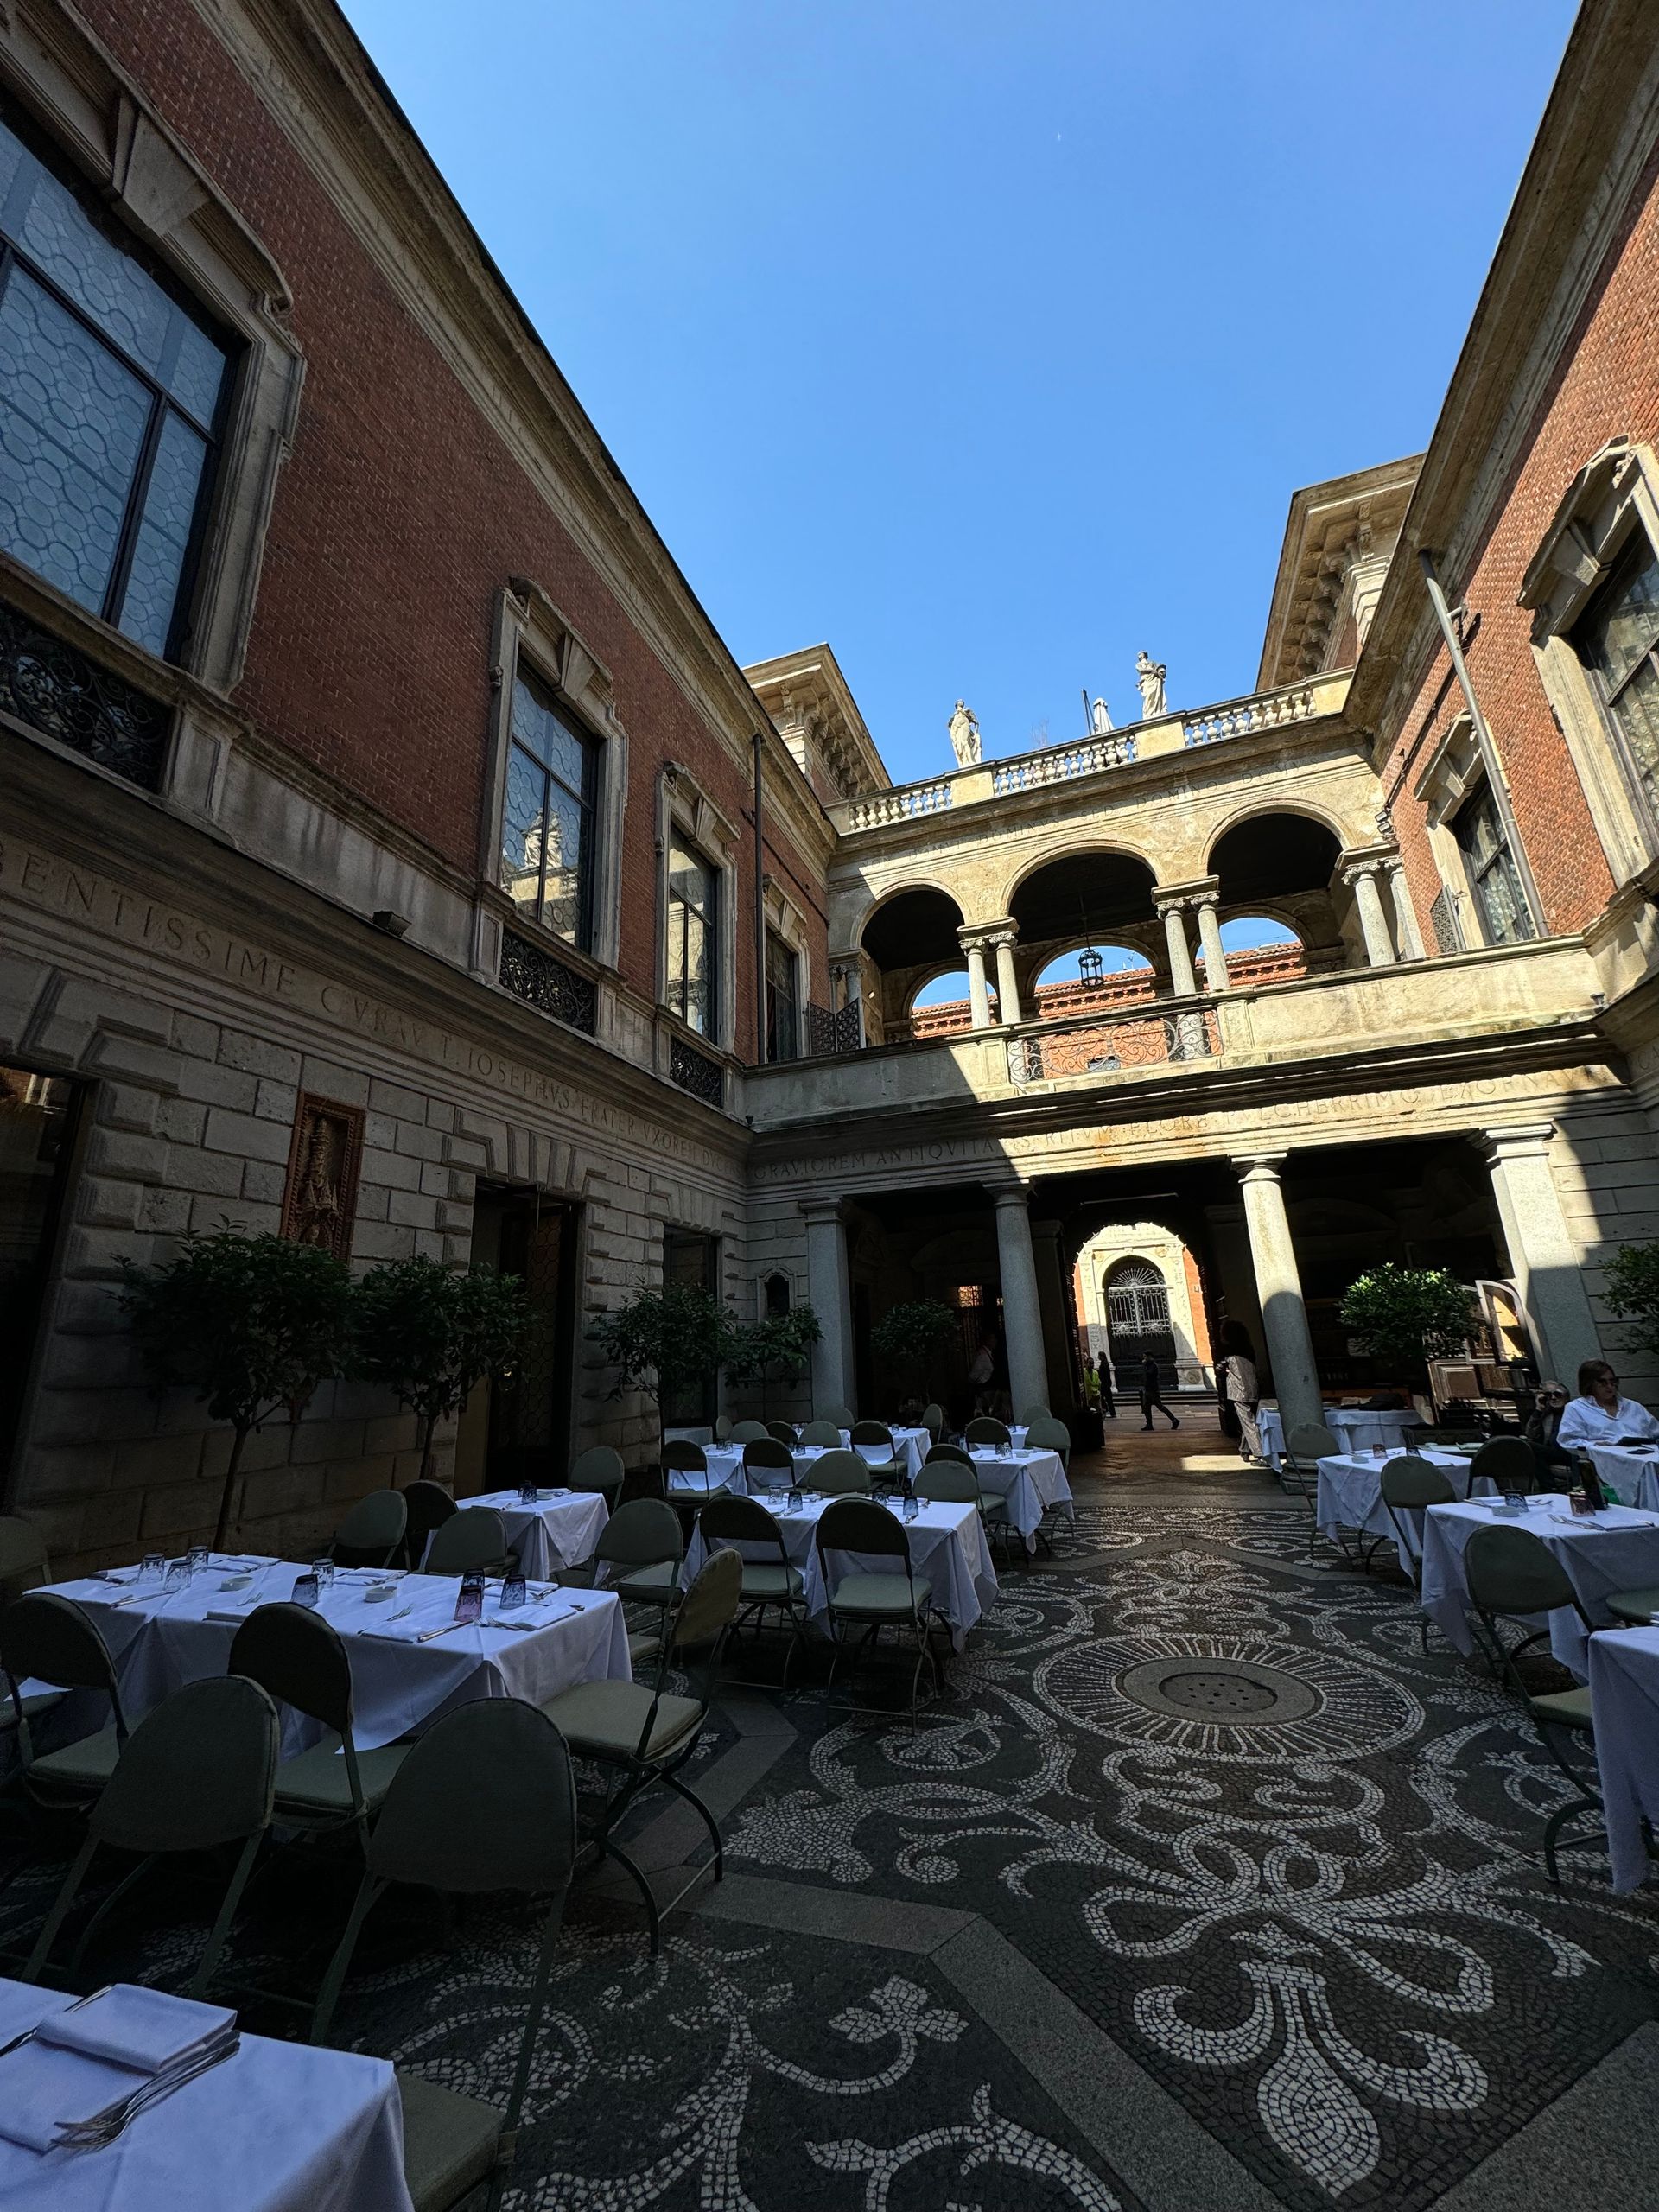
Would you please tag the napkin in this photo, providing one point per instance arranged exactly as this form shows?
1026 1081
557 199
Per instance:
131 2025
45 2086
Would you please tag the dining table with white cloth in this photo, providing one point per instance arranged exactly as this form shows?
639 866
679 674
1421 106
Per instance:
1350 1494
725 1465
947 1545
1034 1483
410 1660
558 1529
1624 1702
277 2127
1633 1470
1357 1428
1602 1554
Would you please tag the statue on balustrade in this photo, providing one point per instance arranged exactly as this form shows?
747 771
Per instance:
964 735
1149 675
1100 720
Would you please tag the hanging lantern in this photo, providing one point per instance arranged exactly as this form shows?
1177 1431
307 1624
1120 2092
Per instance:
1088 968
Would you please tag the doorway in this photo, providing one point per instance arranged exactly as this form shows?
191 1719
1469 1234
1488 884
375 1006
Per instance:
516 1427
38 1118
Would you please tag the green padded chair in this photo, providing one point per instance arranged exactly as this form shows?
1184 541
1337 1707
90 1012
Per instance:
1299 1462
769 1585
649 1733
768 1464
826 1434
782 1432
1510 1572
484 1804
372 1533
1508 1462
198 1772
839 1417
956 1483
1636 1608
872 1600
938 1454
1409 1486
886 1473
839 1474
1032 1414
933 1420
299 1659
682 1458
983 1429
598 1468
643 1545
472 1542
427 1506
722 1428
747 1432
24 1562
47 1638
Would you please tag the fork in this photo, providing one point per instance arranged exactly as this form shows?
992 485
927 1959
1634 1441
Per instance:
29 2034
101 2130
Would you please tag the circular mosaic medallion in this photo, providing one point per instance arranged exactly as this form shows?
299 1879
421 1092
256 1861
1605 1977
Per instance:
1242 1697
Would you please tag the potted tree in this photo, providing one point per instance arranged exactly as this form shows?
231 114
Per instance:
775 1349
1411 1315
663 1341
1631 1279
430 1332
250 1324
909 1337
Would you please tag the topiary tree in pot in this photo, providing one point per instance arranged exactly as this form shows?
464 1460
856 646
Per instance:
1632 1276
250 1324
912 1336
775 1349
1409 1315
430 1333
663 1341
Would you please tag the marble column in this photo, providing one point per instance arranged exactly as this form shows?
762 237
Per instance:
1007 986
828 1287
1182 980
979 1000
1373 922
1058 1335
1022 1311
1543 1264
1406 934
1279 1290
1215 960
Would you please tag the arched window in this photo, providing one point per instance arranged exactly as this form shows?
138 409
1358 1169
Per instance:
776 1291
1137 1300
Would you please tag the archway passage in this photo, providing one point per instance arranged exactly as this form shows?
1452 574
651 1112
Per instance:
1259 950
909 942
944 1005
1098 977
1081 896
1273 856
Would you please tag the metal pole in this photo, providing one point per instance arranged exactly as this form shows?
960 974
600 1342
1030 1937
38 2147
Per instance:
1088 714
760 916
1483 737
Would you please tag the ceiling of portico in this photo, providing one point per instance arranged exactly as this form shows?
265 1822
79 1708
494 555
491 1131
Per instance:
913 930
1271 856
1081 896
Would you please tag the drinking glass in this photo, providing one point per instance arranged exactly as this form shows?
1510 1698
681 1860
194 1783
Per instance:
512 1592
910 1505
527 1493
153 1566
177 1575
469 1599
324 1571
1582 1504
196 1559
793 1503
306 1592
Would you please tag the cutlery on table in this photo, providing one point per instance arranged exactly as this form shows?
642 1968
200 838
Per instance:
101 2130
29 2034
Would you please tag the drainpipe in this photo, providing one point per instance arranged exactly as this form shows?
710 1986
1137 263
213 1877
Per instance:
1494 775
760 917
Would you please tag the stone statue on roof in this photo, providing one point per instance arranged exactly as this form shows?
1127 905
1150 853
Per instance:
1099 719
1149 675
964 735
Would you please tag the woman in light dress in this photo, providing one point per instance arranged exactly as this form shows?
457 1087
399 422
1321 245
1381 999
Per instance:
1239 1385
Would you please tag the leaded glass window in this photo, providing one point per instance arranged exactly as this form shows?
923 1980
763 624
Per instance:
1617 637
112 399
693 913
547 833
1494 878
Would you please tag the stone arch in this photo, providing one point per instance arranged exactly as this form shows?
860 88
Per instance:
1101 849
1262 809
930 897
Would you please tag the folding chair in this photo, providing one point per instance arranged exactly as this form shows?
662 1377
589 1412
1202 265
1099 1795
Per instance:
300 1660
472 1542
767 1583
874 1600
372 1533
427 1506
598 1468
839 1474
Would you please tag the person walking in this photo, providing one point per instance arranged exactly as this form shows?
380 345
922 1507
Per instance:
1152 1394
1240 1386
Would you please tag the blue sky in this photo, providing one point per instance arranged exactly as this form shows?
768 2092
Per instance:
987 342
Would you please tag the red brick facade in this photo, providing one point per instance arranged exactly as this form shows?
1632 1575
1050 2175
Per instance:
399 516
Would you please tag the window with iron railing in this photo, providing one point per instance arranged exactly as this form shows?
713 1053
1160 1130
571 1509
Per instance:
1494 878
546 831
1616 639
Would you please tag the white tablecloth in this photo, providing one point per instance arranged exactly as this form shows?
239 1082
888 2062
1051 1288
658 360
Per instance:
947 1545
725 1464
1635 1475
1032 1482
161 1642
1354 1428
1616 1550
1350 1495
1624 1698
559 1530
278 2127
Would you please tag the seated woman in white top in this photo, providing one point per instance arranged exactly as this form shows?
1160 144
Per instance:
1598 1414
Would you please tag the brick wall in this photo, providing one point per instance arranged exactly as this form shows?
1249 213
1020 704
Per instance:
398 516
1608 385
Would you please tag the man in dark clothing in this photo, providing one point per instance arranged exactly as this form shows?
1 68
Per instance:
1152 1394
